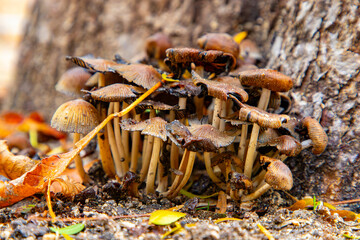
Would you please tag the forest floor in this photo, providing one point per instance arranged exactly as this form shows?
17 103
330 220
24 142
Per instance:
107 213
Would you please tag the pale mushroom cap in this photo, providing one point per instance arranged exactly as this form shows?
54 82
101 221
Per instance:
153 126
279 176
72 81
141 74
94 64
220 90
156 45
207 131
285 144
77 116
266 78
113 93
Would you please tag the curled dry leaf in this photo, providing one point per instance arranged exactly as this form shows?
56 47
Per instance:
67 186
36 179
12 166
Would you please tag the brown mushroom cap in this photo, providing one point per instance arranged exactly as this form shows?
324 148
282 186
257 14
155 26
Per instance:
249 51
113 93
153 126
219 41
141 74
278 175
94 64
266 78
183 88
77 116
285 144
219 89
156 46
212 60
72 81
316 133
261 117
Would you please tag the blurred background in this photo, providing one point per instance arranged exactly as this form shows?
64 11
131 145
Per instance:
13 15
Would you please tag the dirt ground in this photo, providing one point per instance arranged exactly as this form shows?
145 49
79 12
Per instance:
108 213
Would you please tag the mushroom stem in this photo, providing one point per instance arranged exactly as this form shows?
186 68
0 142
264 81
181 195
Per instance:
306 144
242 144
178 178
162 179
103 141
135 147
118 139
125 137
189 168
78 162
174 152
148 147
216 113
104 150
199 105
150 179
250 156
118 159
257 193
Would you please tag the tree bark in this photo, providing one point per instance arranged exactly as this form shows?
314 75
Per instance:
314 42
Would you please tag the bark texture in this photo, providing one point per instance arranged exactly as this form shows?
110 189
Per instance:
315 42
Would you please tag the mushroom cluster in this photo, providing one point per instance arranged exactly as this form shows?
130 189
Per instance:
223 111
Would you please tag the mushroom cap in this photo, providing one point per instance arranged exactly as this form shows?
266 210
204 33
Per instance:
212 60
219 41
141 74
76 116
220 90
278 175
113 93
266 78
316 133
228 156
177 132
72 81
153 126
207 131
285 144
261 117
156 45
249 50
94 64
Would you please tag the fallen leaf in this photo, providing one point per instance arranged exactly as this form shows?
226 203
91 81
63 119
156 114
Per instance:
69 230
13 166
67 186
165 217
227 219
221 204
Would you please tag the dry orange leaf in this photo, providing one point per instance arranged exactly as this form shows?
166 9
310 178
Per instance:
12 166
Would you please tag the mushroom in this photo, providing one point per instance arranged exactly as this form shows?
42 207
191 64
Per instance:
180 59
238 183
142 75
318 138
285 145
219 41
156 46
249 51
78 117
278 176
115 94
72 81
154 127
269 80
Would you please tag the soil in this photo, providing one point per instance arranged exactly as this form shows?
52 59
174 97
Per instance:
108 213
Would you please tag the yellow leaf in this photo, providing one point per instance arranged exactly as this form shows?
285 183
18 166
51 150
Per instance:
240 36
165 217
227 219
